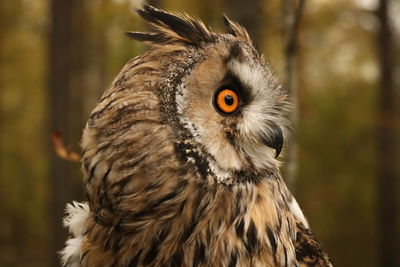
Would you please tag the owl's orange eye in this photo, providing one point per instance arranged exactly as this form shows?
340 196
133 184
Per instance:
227 101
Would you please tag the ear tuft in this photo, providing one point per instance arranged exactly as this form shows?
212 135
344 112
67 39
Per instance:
237 30
170 28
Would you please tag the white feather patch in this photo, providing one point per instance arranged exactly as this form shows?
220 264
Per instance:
295 209
77 214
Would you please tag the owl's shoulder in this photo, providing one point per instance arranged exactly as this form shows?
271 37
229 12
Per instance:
308 249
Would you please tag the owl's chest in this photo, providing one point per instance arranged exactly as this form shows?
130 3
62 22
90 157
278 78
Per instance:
211 240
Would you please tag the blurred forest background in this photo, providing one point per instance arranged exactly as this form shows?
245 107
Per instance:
58 56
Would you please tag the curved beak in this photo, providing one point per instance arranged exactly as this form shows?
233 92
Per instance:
274 139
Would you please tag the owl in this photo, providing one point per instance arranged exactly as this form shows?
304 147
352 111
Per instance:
180 159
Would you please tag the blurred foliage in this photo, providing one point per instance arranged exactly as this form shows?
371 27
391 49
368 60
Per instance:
338 75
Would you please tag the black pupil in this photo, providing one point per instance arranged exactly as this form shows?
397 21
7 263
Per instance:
228 100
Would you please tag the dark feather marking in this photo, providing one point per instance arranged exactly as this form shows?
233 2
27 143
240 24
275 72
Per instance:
248 176
198 215
177 258
122 183
134 262
118 227
188 230
108 243
279 219
86 232
97 114
151 207
285 252
121 130
124 112
118 239
104 179
272 240
233 260
96 234
142 60
152 186
115 263
110 105
102 147
259 198
187 151
252 243
84 255
103 192
164 199
152 252
86 164
121 80
199 253
236 52
240 228
130 164
208 235
164 233
91 174
237 209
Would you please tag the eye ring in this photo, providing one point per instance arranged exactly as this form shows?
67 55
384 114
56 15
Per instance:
226 101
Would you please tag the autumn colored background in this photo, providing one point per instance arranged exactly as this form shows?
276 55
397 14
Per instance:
58 56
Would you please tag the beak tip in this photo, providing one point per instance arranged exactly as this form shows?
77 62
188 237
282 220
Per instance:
274 140
278 151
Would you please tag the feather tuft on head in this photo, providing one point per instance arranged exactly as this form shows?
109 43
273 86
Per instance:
171 28
180 28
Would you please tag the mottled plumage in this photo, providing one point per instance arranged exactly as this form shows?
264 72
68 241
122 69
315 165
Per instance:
174 180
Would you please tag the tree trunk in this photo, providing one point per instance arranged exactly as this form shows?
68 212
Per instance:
291 15
1 86
59 77
78 49
77 90
387 146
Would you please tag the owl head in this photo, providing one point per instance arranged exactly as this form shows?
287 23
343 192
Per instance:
212 96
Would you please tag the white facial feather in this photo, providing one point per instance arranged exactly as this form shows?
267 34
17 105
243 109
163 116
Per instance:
256 114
